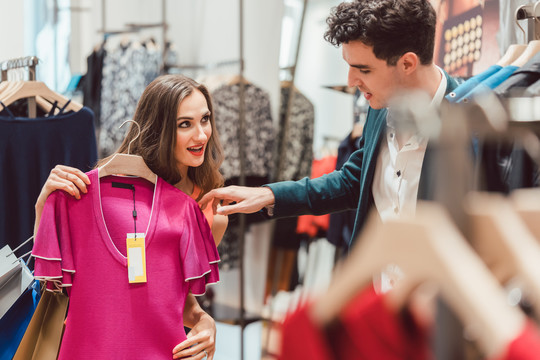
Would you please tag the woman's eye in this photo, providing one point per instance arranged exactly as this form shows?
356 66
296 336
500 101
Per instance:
206 118
184 124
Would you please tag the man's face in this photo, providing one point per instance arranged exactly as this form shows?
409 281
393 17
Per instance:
374 77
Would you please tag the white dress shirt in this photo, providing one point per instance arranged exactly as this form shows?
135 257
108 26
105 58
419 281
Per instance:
397 173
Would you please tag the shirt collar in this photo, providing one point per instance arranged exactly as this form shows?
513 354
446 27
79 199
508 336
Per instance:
435 101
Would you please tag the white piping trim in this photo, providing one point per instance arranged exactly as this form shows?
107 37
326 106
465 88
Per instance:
205 287
69 271
44 258
215 261
47 278
197 277
103 217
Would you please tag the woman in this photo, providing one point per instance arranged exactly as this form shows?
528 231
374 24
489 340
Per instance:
178 141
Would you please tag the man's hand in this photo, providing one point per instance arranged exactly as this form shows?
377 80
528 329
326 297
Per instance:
246 200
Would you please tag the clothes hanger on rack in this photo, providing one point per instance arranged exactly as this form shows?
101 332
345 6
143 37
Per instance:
15 90
511 54
127 164
504 242
533 47
526 202
427 247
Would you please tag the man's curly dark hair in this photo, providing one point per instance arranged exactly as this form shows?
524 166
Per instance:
391 27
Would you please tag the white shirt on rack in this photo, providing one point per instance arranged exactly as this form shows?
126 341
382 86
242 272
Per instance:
397 173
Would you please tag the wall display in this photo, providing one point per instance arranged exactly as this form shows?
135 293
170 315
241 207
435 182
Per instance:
465 41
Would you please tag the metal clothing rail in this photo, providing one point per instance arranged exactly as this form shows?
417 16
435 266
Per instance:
531 13
136 27
29 62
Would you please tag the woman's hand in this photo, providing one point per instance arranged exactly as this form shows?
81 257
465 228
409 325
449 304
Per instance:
66 178
71 180
201 341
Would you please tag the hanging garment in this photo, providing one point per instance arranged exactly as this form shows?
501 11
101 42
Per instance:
91 83
311 224
464 88
81 245
521 79
126 73
296 163
490 83
29 149
366 329
342 223
259 130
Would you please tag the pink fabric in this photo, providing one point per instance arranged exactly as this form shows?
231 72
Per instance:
108 318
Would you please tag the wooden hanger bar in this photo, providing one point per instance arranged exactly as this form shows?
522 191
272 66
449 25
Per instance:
504 242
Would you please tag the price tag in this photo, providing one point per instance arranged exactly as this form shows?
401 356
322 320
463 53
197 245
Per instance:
136 256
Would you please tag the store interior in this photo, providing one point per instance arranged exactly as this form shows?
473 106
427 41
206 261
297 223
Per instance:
103 53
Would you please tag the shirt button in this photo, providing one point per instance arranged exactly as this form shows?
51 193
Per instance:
391 135
398 173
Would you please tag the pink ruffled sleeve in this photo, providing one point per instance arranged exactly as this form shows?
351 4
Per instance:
52 245
199 254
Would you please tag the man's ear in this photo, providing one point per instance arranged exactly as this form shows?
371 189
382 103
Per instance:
408 62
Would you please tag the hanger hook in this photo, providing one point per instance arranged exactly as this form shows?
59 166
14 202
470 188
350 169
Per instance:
138 133
519 11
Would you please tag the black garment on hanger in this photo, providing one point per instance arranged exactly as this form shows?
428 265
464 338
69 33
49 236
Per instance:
342 223
29 149
91 86
521 79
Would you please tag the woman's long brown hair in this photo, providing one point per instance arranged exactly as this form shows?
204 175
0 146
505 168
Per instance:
156 115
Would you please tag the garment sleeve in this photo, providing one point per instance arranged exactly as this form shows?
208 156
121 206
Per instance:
199 254
332 192
52 246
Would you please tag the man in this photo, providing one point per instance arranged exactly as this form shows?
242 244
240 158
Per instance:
388 45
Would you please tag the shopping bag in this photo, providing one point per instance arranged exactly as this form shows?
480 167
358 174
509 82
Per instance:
15 278
15 321
42 338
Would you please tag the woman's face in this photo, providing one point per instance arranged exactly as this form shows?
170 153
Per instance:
193 130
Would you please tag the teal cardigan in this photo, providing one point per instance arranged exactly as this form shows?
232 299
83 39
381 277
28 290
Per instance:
348 188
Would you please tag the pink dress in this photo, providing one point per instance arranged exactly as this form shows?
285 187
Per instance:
81 245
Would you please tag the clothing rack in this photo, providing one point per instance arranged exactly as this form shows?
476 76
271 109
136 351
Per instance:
136 27
29 62
209 66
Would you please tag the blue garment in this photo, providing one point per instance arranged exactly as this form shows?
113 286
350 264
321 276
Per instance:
490 83
464 88
29 149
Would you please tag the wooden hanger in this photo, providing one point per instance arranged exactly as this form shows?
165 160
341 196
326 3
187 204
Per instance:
511 54
532 49
504 242
16 90
127 164
427 247
526 202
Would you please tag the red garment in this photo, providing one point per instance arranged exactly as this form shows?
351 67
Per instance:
526 346
311 224
367 330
